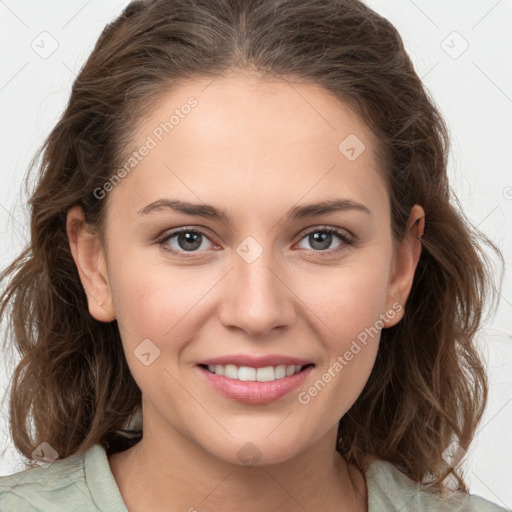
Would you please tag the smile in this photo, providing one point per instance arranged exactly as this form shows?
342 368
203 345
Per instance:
251 385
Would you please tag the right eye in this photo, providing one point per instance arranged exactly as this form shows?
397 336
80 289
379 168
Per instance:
186 240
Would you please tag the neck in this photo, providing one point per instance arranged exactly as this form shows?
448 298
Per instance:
159 473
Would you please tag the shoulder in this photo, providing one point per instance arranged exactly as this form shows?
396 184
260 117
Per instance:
389 489
42 488
64 485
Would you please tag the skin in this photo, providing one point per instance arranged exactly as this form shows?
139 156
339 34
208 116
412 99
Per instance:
256 149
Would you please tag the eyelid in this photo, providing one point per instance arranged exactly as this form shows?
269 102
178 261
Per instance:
175 231
333 229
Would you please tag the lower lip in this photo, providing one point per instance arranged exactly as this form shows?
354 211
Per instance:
255 392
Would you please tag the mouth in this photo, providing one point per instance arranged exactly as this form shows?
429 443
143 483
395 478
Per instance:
255 384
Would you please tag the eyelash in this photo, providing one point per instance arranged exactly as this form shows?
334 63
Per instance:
347 240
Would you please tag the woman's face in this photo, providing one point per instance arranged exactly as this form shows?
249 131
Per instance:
254 281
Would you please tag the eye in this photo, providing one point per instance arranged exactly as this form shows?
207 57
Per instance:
321 239
184 240
187 240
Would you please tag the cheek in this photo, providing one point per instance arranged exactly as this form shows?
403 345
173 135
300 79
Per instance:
150 295
153 310
161 303
349 301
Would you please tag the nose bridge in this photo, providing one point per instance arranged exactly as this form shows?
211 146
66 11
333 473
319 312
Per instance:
257 299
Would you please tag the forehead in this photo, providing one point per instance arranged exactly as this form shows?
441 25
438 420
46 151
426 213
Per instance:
244 136
252 110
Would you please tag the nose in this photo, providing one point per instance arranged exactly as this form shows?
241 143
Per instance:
257 298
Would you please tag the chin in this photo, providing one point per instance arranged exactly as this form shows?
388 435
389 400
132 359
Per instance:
258 451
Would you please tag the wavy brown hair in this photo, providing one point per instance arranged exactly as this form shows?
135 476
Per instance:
72 386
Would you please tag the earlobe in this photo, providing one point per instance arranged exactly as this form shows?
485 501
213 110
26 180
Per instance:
407 255
89 259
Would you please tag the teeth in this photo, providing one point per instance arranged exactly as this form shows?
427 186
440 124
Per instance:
264 374
290 370
280 371
231 371
249 374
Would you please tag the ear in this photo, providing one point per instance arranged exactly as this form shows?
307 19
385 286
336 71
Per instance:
89 257
405 261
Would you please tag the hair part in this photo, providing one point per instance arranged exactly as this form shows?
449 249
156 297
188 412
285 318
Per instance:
428 387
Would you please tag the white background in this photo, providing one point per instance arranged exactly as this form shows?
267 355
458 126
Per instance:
473 91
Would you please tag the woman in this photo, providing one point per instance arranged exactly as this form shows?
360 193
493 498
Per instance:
241 291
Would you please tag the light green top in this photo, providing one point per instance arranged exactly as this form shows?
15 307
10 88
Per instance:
84 483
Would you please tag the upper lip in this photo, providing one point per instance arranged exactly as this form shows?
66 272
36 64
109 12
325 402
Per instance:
256 361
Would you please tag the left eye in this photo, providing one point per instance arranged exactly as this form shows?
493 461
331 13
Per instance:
322 238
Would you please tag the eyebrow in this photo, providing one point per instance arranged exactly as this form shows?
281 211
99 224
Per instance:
211 212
